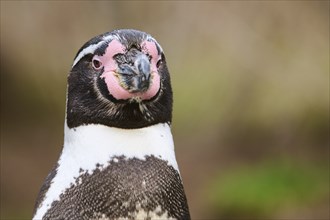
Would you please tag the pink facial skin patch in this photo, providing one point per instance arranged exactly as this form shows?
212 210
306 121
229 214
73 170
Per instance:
112 78
151 49
118 92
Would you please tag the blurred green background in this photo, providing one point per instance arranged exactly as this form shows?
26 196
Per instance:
251 90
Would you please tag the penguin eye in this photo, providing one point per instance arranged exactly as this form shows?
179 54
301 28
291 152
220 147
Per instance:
96 63
159 62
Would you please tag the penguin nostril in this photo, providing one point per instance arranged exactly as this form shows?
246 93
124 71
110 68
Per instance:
143 83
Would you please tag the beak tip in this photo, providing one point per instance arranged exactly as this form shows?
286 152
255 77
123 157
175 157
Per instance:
143 65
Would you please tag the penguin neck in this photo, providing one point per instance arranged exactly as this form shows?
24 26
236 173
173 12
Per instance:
95 143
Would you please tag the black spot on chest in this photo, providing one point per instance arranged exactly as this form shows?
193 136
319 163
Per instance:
118 189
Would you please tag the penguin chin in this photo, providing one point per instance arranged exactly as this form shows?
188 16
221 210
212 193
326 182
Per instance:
120 88
134 97
140 99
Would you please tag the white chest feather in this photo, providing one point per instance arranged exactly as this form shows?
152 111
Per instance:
88 145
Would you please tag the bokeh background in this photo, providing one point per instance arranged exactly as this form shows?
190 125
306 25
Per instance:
251 98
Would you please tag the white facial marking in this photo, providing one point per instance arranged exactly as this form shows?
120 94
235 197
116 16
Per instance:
91 48
87 145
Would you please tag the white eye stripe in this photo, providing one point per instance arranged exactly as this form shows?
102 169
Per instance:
87 50
91 48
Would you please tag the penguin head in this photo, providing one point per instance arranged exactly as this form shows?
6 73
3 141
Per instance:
119 79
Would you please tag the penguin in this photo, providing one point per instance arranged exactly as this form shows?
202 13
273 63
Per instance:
118 159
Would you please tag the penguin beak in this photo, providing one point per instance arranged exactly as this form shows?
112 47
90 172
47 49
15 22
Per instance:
135 77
